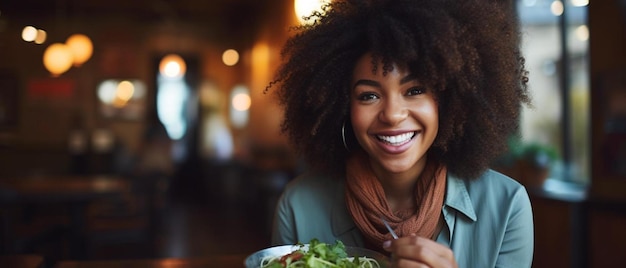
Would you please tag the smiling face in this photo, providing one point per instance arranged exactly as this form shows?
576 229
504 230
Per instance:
394 118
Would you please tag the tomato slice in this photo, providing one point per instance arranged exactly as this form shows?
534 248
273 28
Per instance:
291 257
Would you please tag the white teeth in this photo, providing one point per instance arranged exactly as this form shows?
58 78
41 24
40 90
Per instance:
398 139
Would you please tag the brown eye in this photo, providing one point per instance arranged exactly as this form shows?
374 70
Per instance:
367 96
416 91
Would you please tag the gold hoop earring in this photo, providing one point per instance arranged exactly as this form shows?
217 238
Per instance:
343 136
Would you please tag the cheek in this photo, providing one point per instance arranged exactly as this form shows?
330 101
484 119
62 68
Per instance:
357 118
360 119
430 115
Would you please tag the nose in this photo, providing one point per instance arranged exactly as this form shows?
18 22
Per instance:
393 111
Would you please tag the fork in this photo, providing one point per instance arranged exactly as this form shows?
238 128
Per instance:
393 234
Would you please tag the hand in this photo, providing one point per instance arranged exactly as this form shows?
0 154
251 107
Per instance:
416 251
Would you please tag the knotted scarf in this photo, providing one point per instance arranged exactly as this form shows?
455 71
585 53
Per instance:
366 202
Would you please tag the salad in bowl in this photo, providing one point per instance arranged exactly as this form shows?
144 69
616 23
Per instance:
316 254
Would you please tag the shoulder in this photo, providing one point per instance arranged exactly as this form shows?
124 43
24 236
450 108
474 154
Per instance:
312 186
490 193
495 187
492 180
499 193
493 206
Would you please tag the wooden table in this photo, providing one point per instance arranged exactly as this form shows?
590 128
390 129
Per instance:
61 188
21 261
77 192
221 261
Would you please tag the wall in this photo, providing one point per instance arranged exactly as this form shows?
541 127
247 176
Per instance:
606 207
126 48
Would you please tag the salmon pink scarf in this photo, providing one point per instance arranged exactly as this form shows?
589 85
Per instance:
366 202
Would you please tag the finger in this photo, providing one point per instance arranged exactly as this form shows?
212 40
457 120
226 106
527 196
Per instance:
417 253
405 263
437 248
422 250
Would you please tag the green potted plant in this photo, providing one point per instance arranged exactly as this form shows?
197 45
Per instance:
528 162
539 155
535 161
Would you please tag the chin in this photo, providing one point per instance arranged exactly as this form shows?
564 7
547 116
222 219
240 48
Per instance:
398 168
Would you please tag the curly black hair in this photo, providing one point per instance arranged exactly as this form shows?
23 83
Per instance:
466 51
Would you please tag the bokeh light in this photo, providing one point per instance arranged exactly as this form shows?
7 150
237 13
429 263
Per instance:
57 58
123 93
557 8
304 8
230 57
41 37
81 47
580 3
241 102
115 92
29 33
172 66
582 33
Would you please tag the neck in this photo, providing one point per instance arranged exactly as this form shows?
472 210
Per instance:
400 187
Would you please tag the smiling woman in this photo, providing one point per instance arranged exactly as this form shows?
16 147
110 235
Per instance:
394 118
376 96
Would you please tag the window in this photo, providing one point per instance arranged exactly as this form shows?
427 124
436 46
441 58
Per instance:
555 44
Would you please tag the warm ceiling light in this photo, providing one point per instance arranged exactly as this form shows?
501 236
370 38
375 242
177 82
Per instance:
57 58
125 90
230 57
241 102
81 48
29 33
172 66
305 8
41 37
123 94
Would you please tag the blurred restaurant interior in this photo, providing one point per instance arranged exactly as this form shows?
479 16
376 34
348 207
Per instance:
142 130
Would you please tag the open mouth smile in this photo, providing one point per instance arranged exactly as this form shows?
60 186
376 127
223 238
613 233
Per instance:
396 140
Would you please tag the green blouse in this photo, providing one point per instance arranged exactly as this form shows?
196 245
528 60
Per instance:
489 221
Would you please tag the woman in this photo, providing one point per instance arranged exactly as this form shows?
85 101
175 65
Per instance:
399 107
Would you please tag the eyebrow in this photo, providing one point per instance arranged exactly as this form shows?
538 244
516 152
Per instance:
373 83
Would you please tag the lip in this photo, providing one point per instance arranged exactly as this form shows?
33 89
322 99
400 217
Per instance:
395 149
392 132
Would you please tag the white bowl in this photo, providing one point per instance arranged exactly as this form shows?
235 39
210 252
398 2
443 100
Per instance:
254 260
